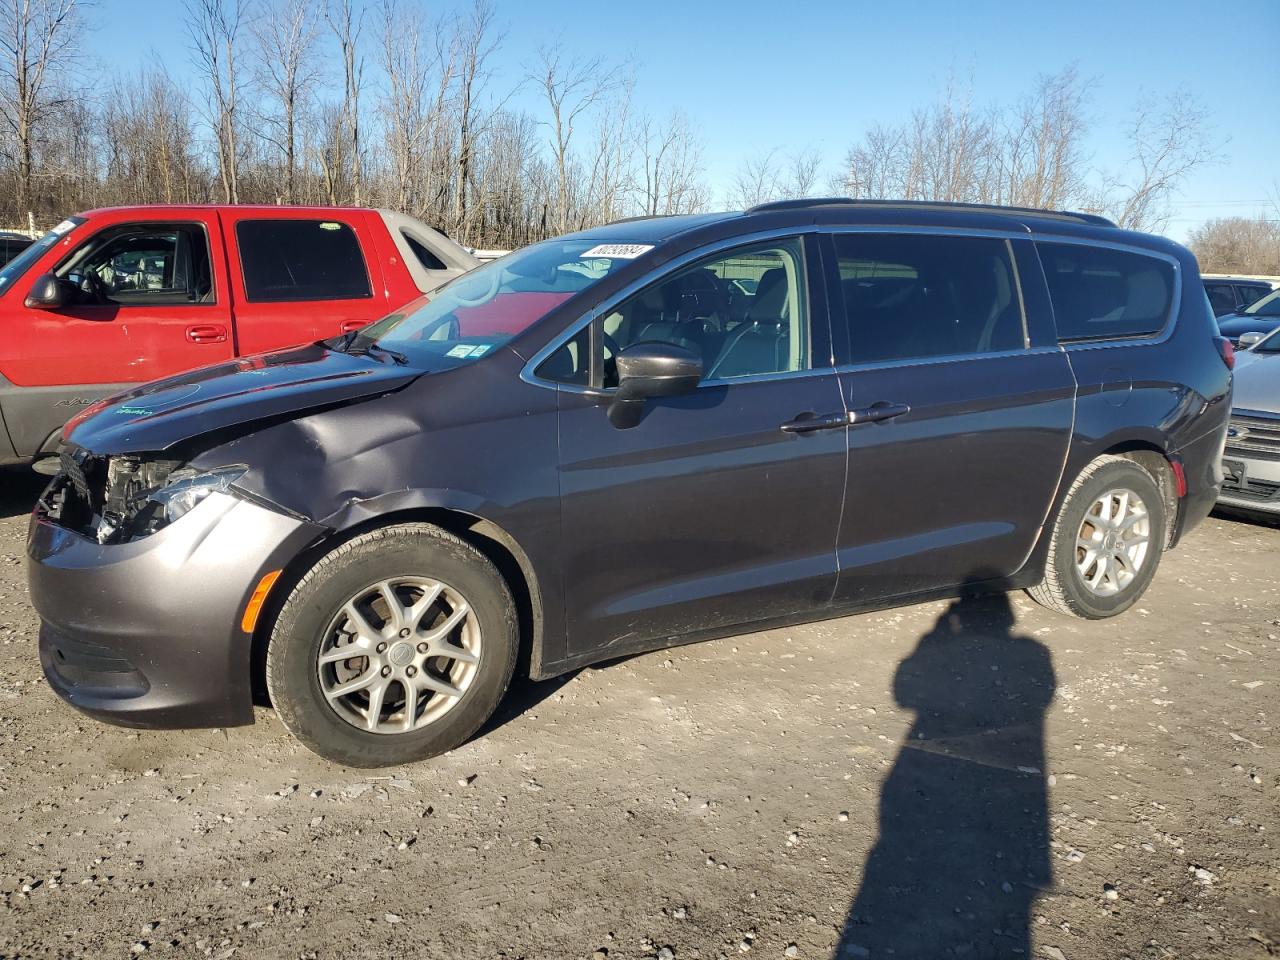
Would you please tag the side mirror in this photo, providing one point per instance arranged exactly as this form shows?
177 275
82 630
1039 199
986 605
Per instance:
48 293
1247 340
651 370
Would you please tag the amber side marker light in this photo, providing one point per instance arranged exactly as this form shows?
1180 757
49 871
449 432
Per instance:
254 607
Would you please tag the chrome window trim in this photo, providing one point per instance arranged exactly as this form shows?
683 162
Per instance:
653 276
927 230
1142 340
947 358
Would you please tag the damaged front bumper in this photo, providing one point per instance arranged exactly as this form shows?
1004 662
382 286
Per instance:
148 632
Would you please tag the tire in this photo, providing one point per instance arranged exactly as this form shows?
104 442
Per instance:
336 607
1066 587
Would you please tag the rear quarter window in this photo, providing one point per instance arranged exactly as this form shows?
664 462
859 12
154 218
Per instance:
1100 293
295 260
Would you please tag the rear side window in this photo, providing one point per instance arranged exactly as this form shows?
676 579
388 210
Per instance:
908 296
285 260
1103 294
1221 298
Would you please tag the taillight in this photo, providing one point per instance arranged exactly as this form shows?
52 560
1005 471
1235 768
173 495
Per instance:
1226 351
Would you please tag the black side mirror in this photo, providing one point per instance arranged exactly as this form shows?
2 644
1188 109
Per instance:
651 370
48 293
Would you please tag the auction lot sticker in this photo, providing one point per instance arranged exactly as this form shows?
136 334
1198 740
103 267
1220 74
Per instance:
619 251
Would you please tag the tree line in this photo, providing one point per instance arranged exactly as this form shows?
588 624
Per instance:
373 102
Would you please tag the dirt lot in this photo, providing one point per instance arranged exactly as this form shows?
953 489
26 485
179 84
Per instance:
975 780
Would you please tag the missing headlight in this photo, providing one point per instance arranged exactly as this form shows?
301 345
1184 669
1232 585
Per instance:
118 499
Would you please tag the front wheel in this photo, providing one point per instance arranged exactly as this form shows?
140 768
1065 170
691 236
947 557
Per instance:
394 647
1107 541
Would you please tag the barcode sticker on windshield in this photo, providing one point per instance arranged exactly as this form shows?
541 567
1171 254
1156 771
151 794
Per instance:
619 251
64 227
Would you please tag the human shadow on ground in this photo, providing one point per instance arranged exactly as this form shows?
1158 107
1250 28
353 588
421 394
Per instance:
963 849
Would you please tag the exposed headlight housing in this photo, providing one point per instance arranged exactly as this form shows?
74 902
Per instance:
118 499
186 488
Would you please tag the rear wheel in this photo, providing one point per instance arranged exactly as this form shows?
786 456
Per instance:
394 647
1107 541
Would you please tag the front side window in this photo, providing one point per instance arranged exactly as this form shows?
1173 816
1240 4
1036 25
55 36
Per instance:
298 260
142 264
1102 294
912 296
744 314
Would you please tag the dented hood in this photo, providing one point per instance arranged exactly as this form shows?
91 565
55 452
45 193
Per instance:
160 415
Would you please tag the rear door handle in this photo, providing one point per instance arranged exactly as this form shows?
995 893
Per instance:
810 422
882 410
349 325
207 333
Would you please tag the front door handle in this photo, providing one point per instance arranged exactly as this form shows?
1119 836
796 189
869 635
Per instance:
810 422
882 410
207 333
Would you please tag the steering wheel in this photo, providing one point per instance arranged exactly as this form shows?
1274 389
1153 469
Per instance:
90 283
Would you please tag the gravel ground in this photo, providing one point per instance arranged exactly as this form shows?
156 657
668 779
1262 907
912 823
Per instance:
980 779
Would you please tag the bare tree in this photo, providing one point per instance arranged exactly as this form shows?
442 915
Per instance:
1169 141
672 157
476 42
947 151
149 141
1042 162
37 43
766 177
214 29
284 52
571 89
1238 245
347 26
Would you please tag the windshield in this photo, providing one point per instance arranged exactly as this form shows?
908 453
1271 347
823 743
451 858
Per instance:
15 268
1268 306
481 310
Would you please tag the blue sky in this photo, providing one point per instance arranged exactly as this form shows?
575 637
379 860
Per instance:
755 75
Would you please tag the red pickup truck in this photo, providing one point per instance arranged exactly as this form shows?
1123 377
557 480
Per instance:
120 296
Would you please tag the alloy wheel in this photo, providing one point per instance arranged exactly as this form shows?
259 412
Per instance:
399 655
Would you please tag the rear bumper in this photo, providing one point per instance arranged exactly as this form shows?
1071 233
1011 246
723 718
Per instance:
1201 462
148 633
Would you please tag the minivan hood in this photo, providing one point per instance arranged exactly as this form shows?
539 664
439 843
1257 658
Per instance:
160 415
1257 384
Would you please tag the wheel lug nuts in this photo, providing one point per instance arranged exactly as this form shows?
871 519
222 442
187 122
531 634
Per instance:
422 648
411 670
404 632
386 671
382 648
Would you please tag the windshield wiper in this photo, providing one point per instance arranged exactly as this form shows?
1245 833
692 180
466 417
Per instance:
348 344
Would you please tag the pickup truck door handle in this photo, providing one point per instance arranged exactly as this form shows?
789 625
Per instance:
882 410
349 325
810 422
207 333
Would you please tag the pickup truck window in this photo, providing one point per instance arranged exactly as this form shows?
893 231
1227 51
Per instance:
291 260
143 264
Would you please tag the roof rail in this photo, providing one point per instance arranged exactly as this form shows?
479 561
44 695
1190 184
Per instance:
800 204
1092 218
